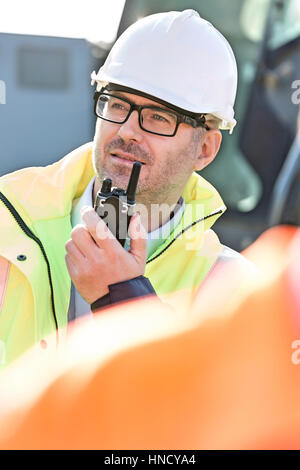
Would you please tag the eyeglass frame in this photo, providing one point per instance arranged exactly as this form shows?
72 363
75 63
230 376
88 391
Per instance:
194 121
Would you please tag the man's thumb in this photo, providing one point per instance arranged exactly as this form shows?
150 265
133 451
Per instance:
138 238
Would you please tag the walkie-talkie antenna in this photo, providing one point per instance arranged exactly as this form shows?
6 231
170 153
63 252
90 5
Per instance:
106 186
132 184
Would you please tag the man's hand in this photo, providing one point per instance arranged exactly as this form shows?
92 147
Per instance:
95 259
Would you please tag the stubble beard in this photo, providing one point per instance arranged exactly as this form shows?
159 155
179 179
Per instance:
164 188
148 192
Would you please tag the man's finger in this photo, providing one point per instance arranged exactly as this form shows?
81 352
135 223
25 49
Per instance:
74 252
72 268
84 240
98 229
138 239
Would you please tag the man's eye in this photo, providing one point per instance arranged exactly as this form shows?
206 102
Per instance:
117 106
159 117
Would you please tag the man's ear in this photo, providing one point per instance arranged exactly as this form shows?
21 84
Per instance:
209 147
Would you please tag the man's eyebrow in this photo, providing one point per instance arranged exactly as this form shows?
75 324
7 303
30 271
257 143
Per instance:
120 94
156 105
117 93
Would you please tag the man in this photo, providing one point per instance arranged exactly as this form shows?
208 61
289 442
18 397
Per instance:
165 90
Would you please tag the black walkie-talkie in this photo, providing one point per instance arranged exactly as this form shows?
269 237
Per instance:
116 206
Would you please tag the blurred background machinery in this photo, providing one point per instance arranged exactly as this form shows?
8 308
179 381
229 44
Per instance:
48 109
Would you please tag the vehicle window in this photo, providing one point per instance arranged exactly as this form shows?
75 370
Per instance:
231 173
242 22
286 26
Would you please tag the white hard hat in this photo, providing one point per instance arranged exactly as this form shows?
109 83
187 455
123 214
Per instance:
177 57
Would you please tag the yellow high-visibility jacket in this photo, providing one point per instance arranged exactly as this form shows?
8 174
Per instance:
35 208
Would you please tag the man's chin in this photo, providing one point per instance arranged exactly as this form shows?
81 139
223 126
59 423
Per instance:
119 175
119 179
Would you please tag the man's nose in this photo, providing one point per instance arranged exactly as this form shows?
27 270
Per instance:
131 130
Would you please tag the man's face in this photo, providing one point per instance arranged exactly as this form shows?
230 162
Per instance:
167 161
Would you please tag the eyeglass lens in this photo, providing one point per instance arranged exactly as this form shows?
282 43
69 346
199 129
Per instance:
153 119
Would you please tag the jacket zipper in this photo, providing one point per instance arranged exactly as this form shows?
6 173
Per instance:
29 233
184 230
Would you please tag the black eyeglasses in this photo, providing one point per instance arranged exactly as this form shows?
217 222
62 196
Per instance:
153 119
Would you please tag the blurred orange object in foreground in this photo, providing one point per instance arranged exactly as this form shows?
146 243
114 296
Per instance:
138 377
